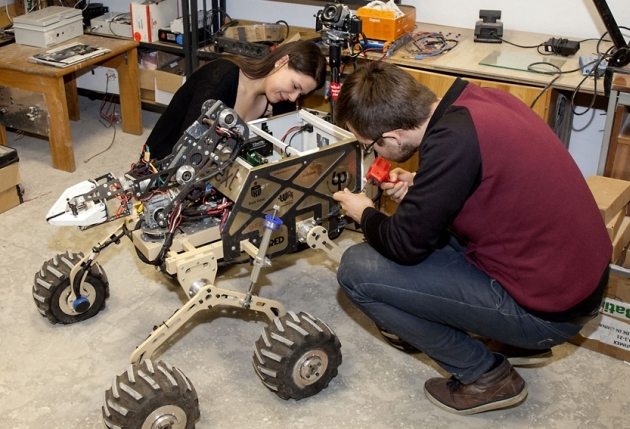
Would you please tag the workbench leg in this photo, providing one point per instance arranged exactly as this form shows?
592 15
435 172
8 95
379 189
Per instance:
128 83
59 135
4 141
72 97
605 147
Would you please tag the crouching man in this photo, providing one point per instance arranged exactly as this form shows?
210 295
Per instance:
496 234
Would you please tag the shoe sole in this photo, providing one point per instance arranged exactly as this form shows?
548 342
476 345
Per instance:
530 360
491 406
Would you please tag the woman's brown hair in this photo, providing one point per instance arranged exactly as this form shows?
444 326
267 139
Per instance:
304 57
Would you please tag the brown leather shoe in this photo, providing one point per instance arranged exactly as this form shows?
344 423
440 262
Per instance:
499 388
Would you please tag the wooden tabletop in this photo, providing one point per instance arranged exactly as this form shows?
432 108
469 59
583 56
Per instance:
464 59
15 56
621 82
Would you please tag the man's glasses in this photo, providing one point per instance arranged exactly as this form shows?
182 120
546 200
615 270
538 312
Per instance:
368 147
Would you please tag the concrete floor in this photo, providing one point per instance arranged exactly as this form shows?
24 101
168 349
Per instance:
55 376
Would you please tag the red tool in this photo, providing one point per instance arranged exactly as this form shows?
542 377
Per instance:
378 173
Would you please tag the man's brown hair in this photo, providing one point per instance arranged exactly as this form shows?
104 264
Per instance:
382 97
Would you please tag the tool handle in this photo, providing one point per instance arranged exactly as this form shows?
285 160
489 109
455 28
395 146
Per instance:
379 172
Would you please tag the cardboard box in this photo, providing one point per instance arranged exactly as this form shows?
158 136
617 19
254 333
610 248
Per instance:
10 194
613 226
149 16
20 7
168 79
146 79
609 332
621 240
147 84
383 25
611 195
254 33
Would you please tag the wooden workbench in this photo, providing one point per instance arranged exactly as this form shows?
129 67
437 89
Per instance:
58 85
440 71
464 59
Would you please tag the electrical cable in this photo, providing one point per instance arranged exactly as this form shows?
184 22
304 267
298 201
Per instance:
555 50
287 25
110 117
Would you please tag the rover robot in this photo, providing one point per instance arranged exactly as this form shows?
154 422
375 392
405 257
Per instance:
229 191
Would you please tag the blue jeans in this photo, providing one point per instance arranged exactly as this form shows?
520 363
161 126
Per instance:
434 305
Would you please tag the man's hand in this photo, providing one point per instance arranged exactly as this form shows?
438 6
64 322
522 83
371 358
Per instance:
397 191
353 204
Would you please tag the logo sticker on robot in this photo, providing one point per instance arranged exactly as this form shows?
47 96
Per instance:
339 179
256 190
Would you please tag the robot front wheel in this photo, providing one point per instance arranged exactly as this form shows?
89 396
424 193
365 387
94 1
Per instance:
149 396
297 355
52 290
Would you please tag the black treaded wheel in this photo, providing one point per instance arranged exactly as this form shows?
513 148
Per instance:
51 289
151 396
297 355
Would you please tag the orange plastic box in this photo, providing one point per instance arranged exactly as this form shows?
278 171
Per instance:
382 24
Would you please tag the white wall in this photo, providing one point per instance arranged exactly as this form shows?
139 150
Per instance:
568 18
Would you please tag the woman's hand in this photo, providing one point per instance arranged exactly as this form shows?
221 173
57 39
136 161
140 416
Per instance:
353 204
397 191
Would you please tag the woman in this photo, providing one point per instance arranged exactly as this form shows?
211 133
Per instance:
254 88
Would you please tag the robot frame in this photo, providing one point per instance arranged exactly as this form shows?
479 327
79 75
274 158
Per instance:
228 188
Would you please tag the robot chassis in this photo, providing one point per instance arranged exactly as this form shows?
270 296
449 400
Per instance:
227 188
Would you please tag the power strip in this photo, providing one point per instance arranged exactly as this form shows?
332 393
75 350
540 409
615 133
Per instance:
247 49
587 63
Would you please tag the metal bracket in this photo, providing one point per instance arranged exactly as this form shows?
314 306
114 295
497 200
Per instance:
205 299
24 110
316 236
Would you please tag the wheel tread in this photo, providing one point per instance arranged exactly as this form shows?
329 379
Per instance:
170 378
278 324
68 262
270 355
282 339
312 322
117 408
186 380
128 390
282 346
299 329
130 410
149 380
42 283
55 272
52 280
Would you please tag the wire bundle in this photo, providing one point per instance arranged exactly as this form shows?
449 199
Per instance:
427 44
